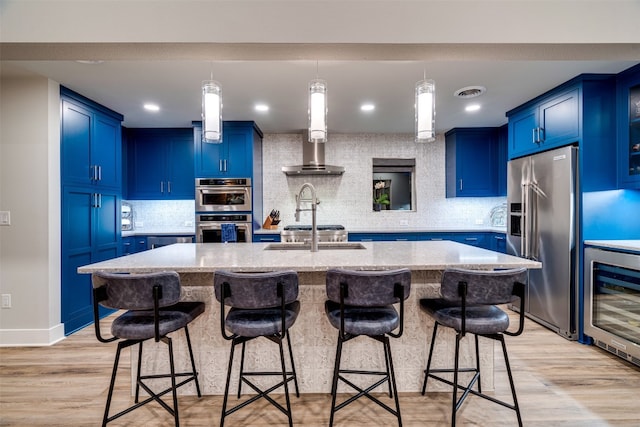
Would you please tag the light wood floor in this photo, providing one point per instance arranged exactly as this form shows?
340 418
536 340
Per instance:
559 383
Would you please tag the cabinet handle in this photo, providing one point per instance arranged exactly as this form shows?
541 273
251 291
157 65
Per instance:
460 184
220 168
162 186
225 165
99 200
540 135
470 239
498 238
99 173
534 138
168 186
92 172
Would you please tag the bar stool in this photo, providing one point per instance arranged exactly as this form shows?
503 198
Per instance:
361 303
262 305
154 311
468 305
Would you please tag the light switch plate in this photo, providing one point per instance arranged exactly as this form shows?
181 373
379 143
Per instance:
5 218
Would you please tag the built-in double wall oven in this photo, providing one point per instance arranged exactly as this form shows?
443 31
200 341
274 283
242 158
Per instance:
223 210
223 195
612 302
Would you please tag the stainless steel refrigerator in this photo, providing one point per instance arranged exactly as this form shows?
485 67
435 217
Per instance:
543 206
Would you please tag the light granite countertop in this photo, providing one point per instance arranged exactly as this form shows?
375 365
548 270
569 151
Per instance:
209 257
622 245
478 229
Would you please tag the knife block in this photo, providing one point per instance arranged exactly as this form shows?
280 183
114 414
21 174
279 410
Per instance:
270 224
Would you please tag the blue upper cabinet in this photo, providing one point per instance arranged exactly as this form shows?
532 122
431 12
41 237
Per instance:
160 164
473 162
237 155
628 101
92 149
550 122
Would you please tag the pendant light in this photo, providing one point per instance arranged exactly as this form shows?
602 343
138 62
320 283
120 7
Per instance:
211 112
425 110
317 109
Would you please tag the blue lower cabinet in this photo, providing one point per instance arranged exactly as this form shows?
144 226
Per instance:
498 242
258 238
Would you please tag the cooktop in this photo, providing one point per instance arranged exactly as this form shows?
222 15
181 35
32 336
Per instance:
308 227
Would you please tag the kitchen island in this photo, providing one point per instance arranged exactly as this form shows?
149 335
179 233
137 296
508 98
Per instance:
312 336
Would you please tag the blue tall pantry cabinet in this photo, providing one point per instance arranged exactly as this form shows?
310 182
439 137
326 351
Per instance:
91 169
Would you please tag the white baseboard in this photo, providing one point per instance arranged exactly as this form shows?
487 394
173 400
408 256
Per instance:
31 337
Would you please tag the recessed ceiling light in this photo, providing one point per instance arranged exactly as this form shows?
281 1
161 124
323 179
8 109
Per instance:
367 107
261 107
472 107
151 107
469 92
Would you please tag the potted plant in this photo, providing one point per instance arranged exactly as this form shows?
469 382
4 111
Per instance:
380 197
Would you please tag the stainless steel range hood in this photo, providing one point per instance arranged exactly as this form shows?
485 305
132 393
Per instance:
312 161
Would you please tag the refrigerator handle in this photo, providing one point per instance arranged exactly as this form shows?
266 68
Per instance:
524 241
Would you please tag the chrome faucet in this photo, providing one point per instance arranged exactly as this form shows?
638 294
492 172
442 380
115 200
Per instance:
314 202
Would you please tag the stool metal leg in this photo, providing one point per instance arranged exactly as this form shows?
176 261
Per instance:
392 378
105 419
193 363
478 365
387 356
428 370
334 385
226 387
169 342
516 407
284 380
293 365
138 373
241 369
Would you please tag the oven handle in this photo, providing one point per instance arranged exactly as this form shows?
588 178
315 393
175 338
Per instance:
212 190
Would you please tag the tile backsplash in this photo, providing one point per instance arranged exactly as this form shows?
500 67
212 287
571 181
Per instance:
347 199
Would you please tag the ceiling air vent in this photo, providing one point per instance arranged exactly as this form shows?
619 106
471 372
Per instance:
469 92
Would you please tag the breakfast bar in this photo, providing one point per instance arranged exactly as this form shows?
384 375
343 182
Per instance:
313 339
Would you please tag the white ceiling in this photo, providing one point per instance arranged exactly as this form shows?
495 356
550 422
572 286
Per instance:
268 50
125 86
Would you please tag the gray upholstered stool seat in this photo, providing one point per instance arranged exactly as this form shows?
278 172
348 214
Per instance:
468 305
140 324
154 311
260 305
361 303
363 320
483 319
262 321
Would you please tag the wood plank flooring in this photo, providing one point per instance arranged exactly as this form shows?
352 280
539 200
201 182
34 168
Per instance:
559 383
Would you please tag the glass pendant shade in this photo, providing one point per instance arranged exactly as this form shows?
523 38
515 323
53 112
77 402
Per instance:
211 111
425 111
318 111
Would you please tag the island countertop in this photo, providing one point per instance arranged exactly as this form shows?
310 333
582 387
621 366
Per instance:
312 335
209 257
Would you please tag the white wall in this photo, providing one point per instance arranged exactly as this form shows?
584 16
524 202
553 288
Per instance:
347 199
30 190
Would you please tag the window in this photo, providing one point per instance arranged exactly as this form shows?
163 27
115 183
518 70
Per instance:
393 184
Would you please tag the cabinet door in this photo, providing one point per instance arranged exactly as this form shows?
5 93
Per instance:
77 240
559 120
208 157
521 133
180 176
106 151
628 125
147 167
239 160
106 228
76 144
476 171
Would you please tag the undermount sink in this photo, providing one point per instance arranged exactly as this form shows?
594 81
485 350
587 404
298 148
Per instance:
285 246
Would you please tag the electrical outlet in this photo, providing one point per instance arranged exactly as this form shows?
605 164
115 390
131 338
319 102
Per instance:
6 300
404 223
188 223
139 224
5 218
